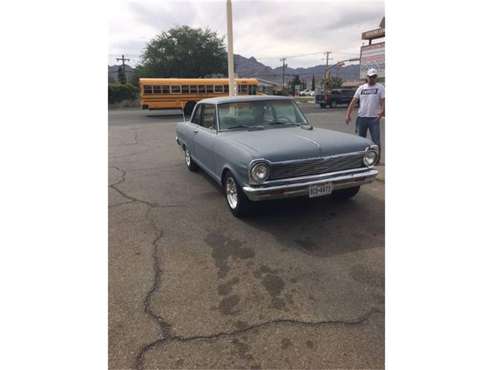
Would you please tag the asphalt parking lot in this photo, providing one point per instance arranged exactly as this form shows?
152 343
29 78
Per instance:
300 285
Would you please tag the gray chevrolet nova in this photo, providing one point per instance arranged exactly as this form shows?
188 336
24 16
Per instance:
263 147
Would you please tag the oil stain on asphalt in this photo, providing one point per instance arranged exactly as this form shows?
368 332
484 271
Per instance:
223 248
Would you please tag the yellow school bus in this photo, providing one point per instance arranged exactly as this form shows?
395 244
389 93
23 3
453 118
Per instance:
183 93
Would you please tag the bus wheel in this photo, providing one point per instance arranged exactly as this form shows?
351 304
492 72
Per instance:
189 108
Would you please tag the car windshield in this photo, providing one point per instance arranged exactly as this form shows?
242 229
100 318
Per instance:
259 114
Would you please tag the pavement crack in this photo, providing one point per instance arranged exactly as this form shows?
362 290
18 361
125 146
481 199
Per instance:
164 327
176 338
122 177
134 199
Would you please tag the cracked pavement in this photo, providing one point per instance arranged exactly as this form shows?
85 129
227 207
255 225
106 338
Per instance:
300 285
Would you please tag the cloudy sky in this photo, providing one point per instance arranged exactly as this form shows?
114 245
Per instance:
265 29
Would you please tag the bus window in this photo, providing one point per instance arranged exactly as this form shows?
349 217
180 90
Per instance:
210 88
185 89
156 89
175 89
165 89
147 89
201 89
243 89
252 90
226 88
193 89
218 88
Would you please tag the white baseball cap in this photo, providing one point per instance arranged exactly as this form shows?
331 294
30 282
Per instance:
371 72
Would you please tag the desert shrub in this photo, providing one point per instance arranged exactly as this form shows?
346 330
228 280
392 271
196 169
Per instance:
120 92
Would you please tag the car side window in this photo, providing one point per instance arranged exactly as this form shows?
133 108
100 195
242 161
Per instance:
196 116
209 116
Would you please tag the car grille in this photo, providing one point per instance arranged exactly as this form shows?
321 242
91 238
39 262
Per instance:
316 166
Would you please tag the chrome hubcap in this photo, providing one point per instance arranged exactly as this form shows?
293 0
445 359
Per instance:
231 193
187 157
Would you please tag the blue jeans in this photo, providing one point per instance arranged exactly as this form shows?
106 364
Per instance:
363 124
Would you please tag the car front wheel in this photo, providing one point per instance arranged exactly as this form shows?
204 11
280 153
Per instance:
238 203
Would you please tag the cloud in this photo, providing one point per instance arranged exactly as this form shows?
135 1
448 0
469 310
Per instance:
267 30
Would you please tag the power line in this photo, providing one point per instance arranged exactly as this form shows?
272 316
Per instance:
123 60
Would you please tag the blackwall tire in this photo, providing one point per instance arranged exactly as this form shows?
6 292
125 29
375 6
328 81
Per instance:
191 165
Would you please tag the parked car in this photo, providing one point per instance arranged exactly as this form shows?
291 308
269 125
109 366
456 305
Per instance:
336 97
263 147
306 92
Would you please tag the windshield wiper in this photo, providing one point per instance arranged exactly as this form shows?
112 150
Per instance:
258 127
282 123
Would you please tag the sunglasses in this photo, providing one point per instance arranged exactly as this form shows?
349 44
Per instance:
373 76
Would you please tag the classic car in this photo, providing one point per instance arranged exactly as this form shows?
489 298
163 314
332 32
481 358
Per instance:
263 147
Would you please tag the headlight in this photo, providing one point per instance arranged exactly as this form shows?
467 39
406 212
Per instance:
371 157
259 172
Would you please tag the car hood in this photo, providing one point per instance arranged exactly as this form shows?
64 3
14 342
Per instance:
282 144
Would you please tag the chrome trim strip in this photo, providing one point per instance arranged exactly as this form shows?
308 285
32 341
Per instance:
322 175
317 158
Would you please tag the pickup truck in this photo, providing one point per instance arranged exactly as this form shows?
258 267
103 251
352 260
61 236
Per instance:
336 97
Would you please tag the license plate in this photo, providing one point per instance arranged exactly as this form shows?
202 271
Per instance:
318 190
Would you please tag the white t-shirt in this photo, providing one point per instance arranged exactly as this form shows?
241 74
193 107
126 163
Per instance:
369 99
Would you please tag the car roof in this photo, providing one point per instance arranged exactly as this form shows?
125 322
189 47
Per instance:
241 99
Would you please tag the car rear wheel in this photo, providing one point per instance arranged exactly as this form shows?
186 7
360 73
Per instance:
345 193
238 203
191 165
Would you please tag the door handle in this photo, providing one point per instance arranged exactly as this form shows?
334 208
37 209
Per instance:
195 131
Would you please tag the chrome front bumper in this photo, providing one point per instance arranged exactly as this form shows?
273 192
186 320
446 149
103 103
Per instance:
299 186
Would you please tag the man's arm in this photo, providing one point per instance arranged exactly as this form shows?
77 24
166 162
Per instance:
381 92
382 108
350 110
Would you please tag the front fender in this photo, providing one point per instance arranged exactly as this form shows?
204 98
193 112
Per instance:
234 158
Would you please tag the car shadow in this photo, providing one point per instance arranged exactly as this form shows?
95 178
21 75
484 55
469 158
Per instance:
321 227
324 226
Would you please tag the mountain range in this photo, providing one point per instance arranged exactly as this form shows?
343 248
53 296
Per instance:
251 67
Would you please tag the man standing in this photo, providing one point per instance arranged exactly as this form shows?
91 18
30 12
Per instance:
371 98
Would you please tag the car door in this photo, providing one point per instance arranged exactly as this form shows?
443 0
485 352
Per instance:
192 129
205 138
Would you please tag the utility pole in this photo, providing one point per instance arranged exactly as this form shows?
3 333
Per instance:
326 77
229 15
283 60
123 60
